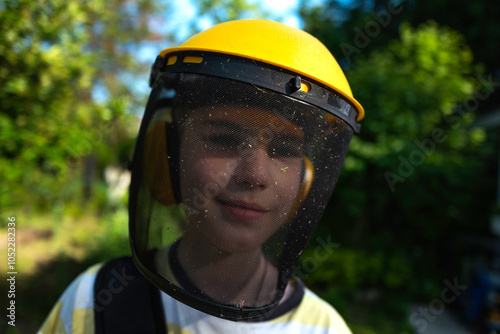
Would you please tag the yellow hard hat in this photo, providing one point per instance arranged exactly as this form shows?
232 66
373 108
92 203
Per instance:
272 43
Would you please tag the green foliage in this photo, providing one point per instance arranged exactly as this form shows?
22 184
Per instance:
417 150
36 79
52 129
476 21
226 10
112 240
338 24
53 255
410 183
368 289
211 12
408 88
353 270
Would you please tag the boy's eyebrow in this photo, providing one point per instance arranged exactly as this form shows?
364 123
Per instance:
289 137
224 123
282 136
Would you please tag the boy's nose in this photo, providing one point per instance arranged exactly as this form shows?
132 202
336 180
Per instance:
253 169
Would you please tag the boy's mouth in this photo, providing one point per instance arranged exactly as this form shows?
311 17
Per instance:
242 209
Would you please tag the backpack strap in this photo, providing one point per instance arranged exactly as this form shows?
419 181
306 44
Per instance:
125 301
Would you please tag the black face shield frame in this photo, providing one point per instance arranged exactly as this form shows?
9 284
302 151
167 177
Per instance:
259 74
328 131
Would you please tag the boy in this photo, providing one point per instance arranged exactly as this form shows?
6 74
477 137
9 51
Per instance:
245 132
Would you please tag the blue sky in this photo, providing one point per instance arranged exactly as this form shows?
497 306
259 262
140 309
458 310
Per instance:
182 13
285 10
177 20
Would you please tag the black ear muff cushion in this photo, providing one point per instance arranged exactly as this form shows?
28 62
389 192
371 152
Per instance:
305 186
156 170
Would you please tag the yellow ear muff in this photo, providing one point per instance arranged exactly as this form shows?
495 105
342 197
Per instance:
305 186
156 171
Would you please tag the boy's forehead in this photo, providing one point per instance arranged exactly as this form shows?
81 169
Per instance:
249 118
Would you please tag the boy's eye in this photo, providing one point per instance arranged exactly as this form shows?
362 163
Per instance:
286 151
224 140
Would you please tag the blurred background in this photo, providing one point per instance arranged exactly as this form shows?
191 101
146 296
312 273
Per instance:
416 214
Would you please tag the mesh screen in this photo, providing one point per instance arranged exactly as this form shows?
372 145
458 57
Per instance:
229 181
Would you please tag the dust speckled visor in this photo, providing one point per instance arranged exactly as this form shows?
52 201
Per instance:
229 181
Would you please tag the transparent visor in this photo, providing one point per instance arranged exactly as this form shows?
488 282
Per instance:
229 181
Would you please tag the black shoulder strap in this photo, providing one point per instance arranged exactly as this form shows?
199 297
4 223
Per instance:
125 301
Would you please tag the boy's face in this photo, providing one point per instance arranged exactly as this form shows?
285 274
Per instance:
240 172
